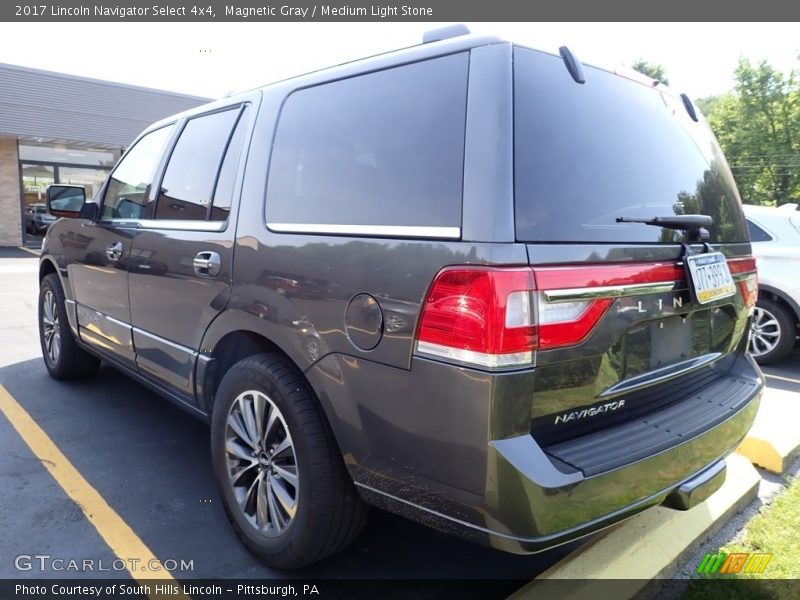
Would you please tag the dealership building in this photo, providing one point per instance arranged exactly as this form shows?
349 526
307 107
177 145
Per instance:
57 128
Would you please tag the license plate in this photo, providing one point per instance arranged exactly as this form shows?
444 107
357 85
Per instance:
710 277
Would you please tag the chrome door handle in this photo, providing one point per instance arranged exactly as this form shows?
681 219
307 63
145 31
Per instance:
114 251
207 264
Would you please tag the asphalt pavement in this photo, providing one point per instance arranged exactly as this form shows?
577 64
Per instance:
150 462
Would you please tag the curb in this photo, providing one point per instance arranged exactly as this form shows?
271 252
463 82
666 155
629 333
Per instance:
774 440
647 546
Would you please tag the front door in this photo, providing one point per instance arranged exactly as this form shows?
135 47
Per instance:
98 252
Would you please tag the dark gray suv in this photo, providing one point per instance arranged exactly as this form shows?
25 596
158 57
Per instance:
493 289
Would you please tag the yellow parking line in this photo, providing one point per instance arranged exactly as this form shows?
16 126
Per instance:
122 540
789 379
28 250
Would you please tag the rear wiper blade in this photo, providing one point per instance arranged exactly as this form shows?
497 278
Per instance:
695 226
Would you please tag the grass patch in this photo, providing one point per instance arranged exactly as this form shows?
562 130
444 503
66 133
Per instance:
776 529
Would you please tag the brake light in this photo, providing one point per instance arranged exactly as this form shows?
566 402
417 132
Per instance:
745 273
499 317
480 316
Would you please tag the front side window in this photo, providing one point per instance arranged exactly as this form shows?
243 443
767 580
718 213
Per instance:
129 186
373 153
187 189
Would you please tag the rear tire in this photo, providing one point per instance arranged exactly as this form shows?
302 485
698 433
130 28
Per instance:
773 332
310 508
63 357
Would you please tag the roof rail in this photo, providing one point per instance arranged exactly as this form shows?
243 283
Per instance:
444 33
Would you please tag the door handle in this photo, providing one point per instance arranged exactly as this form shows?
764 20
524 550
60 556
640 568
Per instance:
114 251
207 264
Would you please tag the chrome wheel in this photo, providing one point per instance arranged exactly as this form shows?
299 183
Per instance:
261 463
50 326
765 332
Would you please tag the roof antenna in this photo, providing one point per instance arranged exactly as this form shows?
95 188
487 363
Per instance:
689 107
573 64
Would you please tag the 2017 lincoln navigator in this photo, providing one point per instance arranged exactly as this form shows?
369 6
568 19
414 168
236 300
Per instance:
493 289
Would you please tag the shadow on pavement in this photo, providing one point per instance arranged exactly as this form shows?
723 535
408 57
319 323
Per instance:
150 461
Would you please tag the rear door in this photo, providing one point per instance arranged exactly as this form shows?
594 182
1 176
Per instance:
182 256
621 328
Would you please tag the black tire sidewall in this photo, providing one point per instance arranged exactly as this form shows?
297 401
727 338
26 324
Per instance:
243 377
48 284
788 331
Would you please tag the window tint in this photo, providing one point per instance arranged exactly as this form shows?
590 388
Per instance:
188 184
587 154
223 193
129 186
386 148
756 233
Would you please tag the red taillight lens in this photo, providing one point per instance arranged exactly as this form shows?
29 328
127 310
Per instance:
479 315
499 317
746 275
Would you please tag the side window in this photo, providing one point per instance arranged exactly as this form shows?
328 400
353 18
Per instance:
376 150
756 233
223 194
129 186
187 188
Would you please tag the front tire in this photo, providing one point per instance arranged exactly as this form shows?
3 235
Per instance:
283 483
63 357
773 332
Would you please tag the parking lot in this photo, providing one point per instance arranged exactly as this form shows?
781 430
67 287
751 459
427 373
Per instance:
150 464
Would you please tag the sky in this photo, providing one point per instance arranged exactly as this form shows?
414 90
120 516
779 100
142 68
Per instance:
212 59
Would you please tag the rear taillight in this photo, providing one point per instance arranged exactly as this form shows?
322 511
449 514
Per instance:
746 276
499 317
479 316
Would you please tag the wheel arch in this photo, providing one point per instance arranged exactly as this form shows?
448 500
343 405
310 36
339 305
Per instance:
46 267
778 296
235 335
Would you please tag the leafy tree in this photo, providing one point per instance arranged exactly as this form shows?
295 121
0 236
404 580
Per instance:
758 127
653 70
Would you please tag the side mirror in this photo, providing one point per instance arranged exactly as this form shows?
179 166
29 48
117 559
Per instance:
65 200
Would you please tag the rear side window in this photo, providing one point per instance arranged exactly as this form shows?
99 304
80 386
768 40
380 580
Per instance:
380 153
187 188
756 233
587 154
223 193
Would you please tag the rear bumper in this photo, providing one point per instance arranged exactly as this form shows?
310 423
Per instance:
564 506
427 457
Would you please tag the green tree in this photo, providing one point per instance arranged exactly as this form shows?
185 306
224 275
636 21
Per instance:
653 70
758 127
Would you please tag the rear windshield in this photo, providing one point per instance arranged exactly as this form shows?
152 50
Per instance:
587 154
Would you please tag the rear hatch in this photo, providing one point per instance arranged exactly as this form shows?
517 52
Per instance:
624 328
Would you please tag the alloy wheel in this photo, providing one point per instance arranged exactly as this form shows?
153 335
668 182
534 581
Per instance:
765 332
261 463
50 329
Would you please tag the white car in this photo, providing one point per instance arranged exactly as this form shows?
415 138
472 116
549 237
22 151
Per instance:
775 235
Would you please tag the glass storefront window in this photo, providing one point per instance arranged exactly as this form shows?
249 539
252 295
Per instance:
35 179
77 154
90 179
